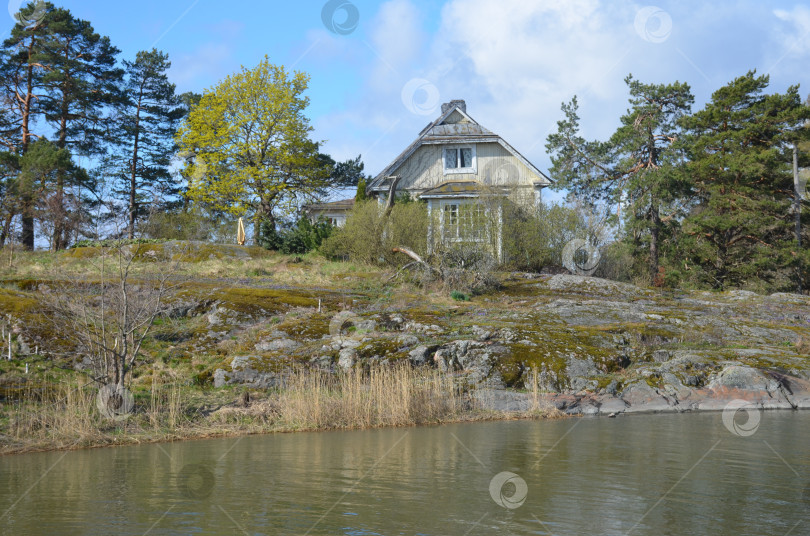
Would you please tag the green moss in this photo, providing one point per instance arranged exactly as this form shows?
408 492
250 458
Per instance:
314 327
387 348
16 303
655 381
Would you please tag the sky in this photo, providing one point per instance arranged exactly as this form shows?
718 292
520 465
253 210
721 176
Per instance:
380 70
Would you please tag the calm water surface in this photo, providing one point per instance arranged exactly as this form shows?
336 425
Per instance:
654 474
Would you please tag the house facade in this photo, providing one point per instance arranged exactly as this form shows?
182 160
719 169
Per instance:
463 171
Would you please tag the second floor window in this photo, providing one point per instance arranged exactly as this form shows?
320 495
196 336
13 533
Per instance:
459 159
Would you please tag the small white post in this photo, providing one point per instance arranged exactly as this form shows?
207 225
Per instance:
319 305
9 346
36 350
26 368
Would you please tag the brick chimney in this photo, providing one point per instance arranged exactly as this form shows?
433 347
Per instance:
454 103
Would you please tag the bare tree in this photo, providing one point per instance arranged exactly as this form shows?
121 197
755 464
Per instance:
109 313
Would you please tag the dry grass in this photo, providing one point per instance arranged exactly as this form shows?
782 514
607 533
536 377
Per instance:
386 396
64 416
295 270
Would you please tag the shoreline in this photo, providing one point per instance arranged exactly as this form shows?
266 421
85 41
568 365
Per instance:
132 440
493 405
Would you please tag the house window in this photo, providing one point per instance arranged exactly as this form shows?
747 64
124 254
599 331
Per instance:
464 222
459 160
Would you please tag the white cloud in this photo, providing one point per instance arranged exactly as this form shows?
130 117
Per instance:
796 41
396 39
516 61
197 68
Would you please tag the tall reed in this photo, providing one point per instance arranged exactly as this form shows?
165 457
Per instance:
381 396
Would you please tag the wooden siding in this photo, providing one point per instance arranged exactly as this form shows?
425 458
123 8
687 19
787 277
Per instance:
455 117
495 167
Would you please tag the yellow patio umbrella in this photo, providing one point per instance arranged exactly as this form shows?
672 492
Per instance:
240 233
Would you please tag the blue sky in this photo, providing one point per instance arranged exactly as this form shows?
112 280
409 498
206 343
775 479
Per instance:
377 80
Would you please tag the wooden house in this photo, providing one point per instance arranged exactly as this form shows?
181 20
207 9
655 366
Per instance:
463 171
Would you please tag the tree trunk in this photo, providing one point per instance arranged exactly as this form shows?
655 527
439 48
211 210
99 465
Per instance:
133 178
27 211
655 229
59 239
797 214
4 233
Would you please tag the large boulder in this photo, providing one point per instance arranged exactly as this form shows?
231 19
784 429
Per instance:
277 345
739 377
642 397
252 371
347 358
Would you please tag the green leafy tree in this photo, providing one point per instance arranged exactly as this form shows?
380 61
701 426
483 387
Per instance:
248 147
146 122
740 232
637 168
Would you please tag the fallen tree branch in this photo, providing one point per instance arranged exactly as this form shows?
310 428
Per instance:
409 253
418 260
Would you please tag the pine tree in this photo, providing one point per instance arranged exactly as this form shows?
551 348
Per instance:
740 231
636 167
81 82
144 129
22 68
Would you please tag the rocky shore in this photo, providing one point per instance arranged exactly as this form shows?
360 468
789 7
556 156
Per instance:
589 346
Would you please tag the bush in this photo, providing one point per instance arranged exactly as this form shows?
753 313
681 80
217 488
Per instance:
302 237
305 236
534 238
369 236
269 237
618 264
459 296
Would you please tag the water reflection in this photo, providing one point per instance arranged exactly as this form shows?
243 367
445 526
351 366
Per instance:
657 474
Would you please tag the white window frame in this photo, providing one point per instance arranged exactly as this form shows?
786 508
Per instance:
473 169
458 235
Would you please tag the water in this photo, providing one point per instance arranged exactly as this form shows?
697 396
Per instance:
646 474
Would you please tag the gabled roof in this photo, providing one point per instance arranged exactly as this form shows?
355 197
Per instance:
439 132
